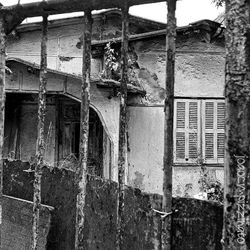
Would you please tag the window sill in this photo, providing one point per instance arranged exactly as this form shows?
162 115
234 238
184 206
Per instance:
209 165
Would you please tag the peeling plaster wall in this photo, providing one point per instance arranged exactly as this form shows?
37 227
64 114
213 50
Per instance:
199 73
145 154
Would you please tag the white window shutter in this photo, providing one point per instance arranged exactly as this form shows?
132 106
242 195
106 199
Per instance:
220 130
213 130
186 130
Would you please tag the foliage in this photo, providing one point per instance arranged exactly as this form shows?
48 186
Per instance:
211 186
218 3
111 63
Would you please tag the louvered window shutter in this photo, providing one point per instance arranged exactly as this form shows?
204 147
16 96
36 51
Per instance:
186 131
213 131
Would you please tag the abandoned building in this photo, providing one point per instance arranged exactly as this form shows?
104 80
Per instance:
199 100
198 120
112 125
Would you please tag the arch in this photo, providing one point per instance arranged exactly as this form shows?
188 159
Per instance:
91 105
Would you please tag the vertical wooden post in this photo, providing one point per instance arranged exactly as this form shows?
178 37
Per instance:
168 125
84 130
237 92
40 150
123 127
2 111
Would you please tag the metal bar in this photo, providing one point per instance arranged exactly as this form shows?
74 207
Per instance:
123 127
84 131
237 92
168 126
40 151
2 110
66 6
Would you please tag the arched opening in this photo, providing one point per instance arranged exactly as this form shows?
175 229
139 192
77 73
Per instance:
62 133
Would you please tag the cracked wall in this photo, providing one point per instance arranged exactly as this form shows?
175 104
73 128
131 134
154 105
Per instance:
199 73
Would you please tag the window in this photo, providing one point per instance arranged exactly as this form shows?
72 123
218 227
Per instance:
199 131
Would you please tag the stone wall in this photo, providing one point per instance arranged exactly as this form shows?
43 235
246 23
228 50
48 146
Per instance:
196 224
58 191
17 224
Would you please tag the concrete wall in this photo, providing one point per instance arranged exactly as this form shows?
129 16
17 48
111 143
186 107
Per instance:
196 224
199 73
17 224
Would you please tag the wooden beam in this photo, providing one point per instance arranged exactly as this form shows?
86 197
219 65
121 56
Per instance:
40 150
236 229
123 128
2 110
168 125
84 131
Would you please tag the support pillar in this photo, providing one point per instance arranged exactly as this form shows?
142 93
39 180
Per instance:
40 150
168 125
2 110
84 131
123 127
236 230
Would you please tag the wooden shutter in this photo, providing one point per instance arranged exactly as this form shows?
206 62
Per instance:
186 130
213 122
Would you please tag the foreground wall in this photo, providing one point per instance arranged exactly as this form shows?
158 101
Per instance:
196 224
17 224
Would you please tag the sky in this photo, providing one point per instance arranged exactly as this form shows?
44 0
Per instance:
187 11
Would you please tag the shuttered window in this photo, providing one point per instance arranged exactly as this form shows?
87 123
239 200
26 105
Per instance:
213 133
199 131
186 130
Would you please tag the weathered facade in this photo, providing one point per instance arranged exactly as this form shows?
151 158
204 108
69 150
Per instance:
199 80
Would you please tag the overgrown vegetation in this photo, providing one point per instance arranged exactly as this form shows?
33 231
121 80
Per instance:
211 186
218 3
112 65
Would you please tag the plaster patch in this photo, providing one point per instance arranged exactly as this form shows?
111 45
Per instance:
138 181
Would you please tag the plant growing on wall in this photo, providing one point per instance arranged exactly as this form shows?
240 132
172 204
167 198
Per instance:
211 186
111 64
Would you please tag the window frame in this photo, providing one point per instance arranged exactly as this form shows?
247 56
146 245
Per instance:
201 131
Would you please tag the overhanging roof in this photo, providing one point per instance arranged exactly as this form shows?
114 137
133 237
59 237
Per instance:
103 83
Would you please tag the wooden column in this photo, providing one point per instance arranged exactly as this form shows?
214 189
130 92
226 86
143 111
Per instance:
237 144
2 110
168 125
40 150
123 127
84 130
